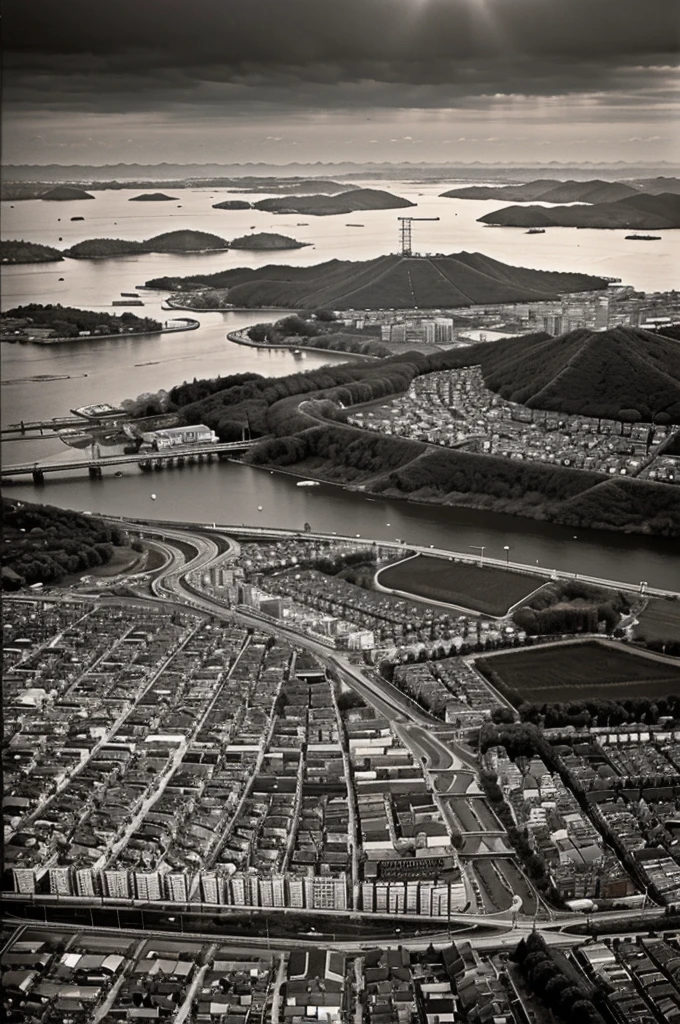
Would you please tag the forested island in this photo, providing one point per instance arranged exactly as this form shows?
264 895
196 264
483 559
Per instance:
17 251
152 197
168 242
233 204
393 281
314 441
65 193
57 321
43 544
265 240
326 206
549 190
639 211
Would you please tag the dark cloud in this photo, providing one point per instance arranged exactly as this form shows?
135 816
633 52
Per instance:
146 54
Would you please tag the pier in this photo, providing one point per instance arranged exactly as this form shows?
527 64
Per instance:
148 461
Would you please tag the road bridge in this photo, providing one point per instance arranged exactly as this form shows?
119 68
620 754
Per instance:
181 455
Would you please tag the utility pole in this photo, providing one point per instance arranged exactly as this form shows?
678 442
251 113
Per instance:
405 233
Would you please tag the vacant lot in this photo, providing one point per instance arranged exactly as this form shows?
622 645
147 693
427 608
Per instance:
583 671
660 621
482 589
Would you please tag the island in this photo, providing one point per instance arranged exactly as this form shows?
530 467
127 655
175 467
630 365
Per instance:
461 279
548 190
265 240
551 190
151 197
326 206
48 324
233 204
640 211
18 251
170 241
65 193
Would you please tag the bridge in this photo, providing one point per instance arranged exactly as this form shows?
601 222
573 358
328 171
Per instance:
180 455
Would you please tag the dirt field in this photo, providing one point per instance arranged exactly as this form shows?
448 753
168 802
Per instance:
486 589
660 621
583 671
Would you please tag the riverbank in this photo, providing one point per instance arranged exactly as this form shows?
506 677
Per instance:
188 325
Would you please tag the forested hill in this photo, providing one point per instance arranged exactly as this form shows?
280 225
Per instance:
462 279
625 373
42 544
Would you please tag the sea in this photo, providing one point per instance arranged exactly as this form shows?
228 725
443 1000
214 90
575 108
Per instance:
40 382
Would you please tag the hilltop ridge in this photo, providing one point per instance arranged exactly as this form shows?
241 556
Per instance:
394 281
592 373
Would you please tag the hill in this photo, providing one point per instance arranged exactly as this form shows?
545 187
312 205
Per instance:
151 197
399 282
265 240
170 241
13 251
592 373
233 204
64 193
42 544
325 206
641 210
547 190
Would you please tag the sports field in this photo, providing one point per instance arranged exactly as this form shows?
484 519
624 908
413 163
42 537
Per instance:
660 621
583 671
486 589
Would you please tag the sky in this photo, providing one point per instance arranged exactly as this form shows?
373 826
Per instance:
278 81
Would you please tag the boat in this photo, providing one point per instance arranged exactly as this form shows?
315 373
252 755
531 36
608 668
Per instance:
643 238
307 483
535 231
77 218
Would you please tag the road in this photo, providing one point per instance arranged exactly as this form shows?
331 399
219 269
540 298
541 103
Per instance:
189 551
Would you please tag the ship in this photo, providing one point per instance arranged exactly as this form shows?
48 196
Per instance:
130 295
643 238
354 225
127 302
307 483
535 231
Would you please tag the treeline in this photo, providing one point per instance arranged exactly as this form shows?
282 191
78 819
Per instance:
317 332
68 321
532 862
253 405
547 974
579 714
43 544
571 607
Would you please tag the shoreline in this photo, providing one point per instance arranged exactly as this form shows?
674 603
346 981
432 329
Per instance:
480 506
238 338
190 325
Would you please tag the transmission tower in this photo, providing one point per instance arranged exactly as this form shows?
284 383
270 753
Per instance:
405 233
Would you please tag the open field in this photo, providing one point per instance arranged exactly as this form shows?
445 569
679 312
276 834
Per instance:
660 621
486 589
583 671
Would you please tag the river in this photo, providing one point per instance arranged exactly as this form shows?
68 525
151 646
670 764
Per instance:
112 370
